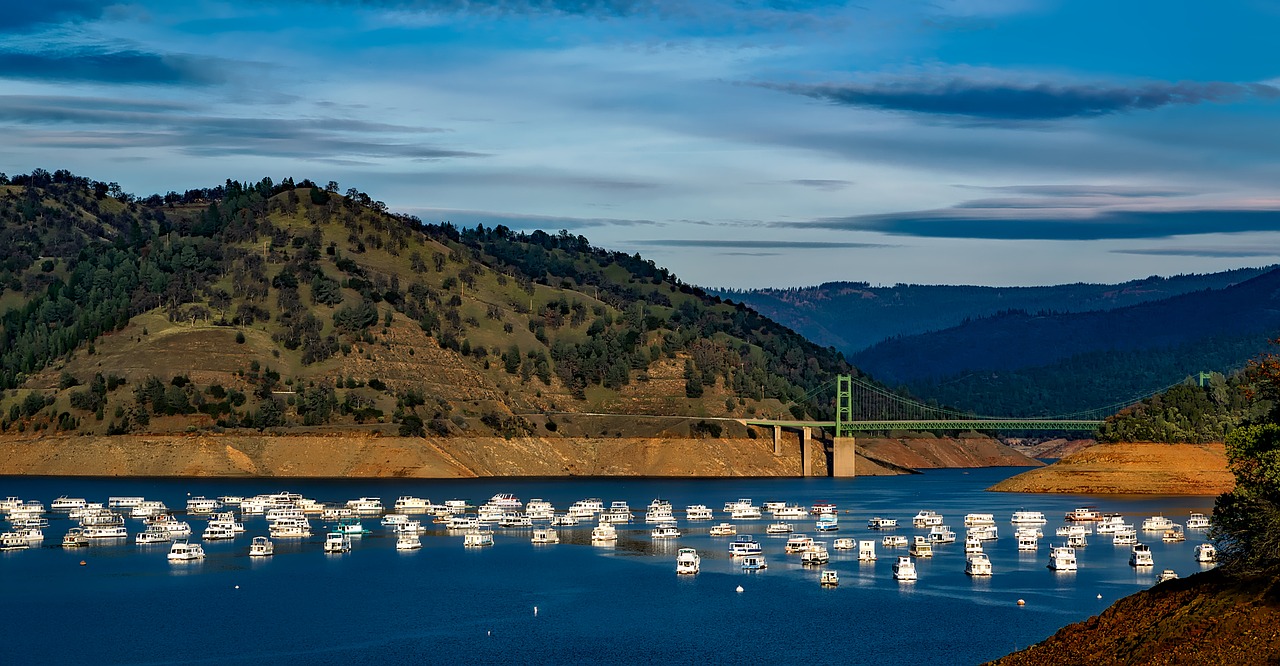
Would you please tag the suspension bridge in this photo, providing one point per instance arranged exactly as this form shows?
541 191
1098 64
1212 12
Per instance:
863 407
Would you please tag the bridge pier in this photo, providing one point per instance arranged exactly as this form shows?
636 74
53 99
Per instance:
843 457
806 451
777 440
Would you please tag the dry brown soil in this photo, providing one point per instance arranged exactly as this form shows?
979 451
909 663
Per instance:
371 456
1131 469
1209 618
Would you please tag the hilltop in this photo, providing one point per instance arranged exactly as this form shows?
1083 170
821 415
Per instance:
254 306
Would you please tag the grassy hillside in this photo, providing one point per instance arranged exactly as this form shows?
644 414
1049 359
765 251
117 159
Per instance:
291 305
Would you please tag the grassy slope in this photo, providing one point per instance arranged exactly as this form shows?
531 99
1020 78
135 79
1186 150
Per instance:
458 388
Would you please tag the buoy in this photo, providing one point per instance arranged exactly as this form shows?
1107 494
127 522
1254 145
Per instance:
1022 603
82 563
739 588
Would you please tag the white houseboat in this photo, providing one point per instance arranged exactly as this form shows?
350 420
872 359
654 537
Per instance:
1140 556
1062 558
181 551
544 536
261 547
904 568
977 564
688 561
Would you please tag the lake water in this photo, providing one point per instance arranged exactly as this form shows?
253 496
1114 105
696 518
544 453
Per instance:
622 604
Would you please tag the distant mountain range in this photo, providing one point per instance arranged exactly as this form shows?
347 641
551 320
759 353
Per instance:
852 316
1039 350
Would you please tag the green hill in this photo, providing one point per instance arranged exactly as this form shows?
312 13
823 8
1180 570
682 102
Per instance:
291 305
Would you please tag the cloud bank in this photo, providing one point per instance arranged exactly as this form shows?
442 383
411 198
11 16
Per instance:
994 100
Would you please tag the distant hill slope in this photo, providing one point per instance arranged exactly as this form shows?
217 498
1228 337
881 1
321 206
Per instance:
1090 380
1015 340
291 306
852 316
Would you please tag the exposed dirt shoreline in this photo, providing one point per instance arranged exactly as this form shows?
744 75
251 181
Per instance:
1131 469
370 456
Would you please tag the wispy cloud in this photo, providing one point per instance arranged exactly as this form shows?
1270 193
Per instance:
1017 101
822 183
1069 190
523 222
1093 225
100 122
1205 252
20 16
117 67
754 244
572 7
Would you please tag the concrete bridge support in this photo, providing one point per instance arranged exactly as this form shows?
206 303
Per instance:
842 457
808 450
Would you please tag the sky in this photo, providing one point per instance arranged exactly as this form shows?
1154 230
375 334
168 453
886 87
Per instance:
740 143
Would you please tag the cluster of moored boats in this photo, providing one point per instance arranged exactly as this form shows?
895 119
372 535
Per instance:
288 516
1028 530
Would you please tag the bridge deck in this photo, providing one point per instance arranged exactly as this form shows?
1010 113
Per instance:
928 424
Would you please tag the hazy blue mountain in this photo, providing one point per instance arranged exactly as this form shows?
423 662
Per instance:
852 316
1022 363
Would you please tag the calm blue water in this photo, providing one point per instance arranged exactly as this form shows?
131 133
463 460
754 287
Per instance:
621 604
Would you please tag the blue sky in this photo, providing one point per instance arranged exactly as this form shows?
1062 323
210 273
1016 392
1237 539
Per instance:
741 143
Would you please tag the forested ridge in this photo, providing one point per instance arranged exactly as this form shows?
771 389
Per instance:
1189 412
852 316
317 308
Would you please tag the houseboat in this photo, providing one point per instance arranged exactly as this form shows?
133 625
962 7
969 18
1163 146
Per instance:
977 564
904 568
723 529
1062 558
1028 518
261 547
921 547
743 546
1140 556
181 551
545 536
604 533
687 561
